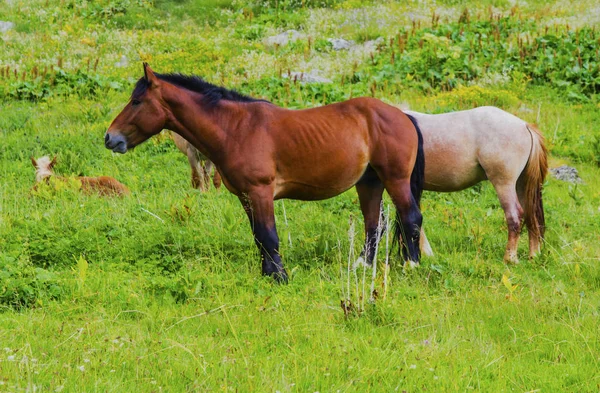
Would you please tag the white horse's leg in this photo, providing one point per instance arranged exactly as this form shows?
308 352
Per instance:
513 212
424 244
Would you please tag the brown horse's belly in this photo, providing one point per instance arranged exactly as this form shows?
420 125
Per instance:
325 173
307 192
318 183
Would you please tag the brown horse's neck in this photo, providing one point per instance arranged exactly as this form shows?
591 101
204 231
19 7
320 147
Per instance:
206 128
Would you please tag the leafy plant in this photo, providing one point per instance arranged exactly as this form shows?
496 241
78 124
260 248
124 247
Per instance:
23 285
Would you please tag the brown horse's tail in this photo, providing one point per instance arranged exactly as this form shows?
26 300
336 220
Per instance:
417 177
532 179
417 181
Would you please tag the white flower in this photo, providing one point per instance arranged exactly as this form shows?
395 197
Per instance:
81 368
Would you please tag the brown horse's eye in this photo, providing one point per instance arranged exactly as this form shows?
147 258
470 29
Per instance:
135 102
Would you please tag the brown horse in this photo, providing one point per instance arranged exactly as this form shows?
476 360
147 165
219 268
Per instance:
101 185
265 152
200 165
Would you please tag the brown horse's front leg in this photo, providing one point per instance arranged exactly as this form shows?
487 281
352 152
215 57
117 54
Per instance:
259 208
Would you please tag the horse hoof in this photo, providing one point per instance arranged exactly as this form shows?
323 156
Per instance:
511 261
280 277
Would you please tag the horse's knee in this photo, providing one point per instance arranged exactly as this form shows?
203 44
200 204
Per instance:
514 225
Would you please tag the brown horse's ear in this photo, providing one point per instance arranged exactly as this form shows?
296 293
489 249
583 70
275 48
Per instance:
52 163
149 75
33 161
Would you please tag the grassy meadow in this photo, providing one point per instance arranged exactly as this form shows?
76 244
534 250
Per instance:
161 291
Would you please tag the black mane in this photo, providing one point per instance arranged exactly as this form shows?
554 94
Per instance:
212 93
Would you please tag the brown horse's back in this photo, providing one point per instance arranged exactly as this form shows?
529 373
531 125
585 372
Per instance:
307 146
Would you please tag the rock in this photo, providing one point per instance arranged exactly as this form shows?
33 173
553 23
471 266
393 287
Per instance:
341 44
566 173
310 77
283 38
123 62
371 46
6 26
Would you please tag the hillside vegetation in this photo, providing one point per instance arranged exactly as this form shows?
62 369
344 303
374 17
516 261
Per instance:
161 290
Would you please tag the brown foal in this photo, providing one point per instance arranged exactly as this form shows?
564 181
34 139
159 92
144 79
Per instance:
101 185
264 152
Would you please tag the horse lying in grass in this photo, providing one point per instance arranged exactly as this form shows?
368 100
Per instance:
102 185
265 152
464 148
200 165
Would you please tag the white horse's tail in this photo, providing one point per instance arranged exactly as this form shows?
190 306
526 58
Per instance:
532 179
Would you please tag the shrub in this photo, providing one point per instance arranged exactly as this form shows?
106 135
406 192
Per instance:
23 285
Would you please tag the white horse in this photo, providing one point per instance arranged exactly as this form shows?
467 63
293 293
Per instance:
200 165
487 143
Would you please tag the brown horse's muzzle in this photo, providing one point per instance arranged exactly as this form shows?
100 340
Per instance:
116 143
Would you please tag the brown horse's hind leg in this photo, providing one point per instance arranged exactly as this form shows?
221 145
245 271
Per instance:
370 191
514 218
409 216
258 205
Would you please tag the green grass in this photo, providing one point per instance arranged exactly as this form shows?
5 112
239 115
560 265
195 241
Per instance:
161 290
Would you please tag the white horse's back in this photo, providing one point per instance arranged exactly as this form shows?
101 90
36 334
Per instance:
466 147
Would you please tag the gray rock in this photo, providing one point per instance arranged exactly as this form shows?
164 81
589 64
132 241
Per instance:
6 26
371 46
566 173
341 44
284 38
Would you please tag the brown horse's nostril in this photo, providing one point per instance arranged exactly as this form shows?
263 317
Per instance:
116 143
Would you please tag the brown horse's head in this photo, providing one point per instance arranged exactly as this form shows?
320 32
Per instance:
144 115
